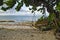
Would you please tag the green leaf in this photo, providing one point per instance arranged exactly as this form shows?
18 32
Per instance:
19 6
30 9
10 3
34 8
26 2
58 7
4 9
51 17
40 9
1 2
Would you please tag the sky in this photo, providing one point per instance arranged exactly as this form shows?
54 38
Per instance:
23 12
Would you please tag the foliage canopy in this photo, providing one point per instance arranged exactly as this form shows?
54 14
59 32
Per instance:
49 4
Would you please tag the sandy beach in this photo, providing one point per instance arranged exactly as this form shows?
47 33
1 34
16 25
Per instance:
19 32
25 34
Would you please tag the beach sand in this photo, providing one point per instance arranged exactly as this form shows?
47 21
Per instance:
25 34
18 32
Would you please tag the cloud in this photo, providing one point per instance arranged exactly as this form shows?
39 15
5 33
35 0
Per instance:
24 11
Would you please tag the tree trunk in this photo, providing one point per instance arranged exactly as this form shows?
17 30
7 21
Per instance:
57 18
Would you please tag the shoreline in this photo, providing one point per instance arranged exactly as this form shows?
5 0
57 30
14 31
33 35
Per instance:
24 23
17 25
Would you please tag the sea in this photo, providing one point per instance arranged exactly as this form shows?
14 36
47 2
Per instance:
19 18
